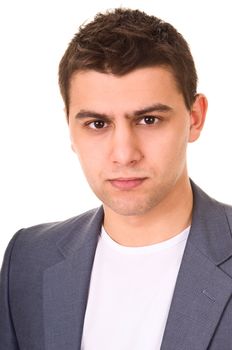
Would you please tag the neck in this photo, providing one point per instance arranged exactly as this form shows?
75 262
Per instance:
166 220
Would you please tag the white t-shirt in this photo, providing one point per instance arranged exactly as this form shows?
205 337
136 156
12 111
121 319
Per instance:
130 294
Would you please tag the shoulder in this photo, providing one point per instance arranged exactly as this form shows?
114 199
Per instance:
55 230
228 211
39 243
207 209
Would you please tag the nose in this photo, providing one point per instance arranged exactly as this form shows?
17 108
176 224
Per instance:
125 149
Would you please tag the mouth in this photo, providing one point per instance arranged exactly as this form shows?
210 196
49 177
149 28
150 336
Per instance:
127 183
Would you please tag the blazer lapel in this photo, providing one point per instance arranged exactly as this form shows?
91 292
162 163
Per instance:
66 286
201 293
202 288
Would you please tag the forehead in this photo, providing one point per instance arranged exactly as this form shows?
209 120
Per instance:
141 87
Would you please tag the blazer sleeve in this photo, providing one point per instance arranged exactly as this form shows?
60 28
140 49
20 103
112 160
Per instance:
8 339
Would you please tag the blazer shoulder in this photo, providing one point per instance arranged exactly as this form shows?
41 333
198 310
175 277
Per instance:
39 244
228 211
223 209
54 230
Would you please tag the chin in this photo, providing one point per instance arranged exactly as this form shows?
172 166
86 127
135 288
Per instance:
134 203
130 209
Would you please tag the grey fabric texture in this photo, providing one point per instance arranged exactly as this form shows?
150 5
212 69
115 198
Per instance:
46 273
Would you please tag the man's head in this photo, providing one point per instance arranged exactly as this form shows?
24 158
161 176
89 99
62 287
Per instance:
123 40
129 86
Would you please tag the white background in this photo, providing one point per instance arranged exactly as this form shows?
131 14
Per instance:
40 176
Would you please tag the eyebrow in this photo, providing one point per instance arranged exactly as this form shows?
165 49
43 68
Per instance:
158 107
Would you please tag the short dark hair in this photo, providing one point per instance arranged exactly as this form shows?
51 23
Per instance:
122 40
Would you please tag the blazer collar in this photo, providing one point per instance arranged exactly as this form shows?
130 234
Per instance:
202 289
210 231
84 230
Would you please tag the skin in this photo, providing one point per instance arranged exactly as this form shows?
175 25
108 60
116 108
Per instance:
131 134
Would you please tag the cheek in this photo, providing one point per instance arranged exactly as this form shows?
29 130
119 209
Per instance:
167 148
91 160
177 150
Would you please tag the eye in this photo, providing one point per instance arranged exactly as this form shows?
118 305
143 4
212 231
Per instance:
97 124
149 119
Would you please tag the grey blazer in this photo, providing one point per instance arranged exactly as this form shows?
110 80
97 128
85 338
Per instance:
46 273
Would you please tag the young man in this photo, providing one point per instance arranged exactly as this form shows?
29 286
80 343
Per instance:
152 267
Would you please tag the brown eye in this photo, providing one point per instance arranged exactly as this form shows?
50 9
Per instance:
97 124
149 120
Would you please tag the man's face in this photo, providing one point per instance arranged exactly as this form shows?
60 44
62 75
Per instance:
130 134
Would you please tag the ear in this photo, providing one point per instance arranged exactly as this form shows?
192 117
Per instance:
197 117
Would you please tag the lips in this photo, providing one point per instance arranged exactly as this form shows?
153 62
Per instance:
127 183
